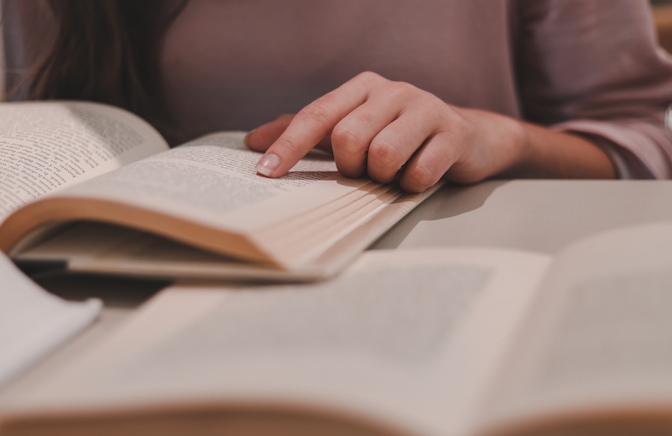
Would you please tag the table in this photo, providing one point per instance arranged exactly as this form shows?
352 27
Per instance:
537 215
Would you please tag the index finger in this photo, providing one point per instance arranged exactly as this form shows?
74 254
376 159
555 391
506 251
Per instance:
312 124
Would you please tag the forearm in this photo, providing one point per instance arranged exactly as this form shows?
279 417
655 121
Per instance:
523 150
551 154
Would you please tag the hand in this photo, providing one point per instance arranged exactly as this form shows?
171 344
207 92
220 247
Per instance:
389 130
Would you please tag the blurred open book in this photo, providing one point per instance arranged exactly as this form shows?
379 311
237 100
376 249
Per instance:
444 341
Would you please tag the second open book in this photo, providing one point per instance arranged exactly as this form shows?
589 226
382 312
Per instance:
96 178
446 341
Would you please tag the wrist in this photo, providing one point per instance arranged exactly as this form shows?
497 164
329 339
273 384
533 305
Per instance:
499 146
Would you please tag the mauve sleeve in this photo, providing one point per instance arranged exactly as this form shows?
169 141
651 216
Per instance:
594 67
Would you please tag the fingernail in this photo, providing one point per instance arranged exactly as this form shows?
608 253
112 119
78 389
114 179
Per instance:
247 144
268 164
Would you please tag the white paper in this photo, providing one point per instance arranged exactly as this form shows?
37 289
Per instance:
34 322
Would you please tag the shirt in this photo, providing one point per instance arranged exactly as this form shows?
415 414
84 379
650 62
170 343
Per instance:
590 67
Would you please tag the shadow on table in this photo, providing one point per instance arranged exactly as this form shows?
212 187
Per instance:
448 201
114 291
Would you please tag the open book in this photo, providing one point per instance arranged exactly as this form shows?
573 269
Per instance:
451 341
105 194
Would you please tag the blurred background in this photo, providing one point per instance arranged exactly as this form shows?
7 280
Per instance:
662 14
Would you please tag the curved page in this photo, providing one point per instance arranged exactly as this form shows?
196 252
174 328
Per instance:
48 146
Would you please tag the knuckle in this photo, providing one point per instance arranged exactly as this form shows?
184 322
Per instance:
369 77
402 89
434 103
345 140
384 155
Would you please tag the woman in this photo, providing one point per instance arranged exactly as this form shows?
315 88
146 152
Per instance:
464 90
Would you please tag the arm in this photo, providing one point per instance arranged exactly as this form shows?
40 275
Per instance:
579 74
388 129
595 68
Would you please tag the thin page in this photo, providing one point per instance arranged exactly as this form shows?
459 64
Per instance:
599 337
405 339
48 146
213 181
34 322
104 248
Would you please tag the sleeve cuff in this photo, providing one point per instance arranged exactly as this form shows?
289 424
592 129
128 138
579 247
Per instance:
638 149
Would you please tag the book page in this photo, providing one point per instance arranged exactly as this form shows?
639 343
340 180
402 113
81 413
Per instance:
34 322
211 185
213 181
598 338
48 146
407 339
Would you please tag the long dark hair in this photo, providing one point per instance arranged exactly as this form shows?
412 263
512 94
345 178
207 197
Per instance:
107 51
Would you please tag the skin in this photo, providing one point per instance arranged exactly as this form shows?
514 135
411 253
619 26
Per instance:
392 130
